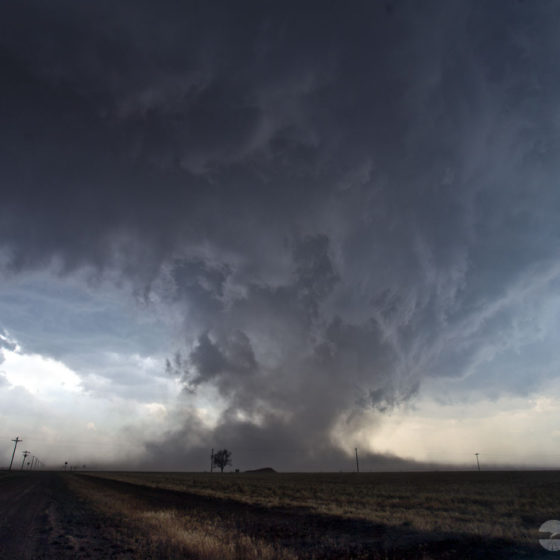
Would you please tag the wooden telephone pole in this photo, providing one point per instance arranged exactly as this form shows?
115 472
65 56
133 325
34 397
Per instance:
357 462
25 454
17 440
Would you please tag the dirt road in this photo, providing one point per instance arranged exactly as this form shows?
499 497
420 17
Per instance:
40 518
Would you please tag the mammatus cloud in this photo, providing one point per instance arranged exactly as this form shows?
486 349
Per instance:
333 204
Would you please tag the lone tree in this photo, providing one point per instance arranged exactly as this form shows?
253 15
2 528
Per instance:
222 459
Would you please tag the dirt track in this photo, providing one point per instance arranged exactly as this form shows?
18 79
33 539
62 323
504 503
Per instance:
41 519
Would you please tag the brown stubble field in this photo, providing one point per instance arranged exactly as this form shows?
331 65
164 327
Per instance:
368 515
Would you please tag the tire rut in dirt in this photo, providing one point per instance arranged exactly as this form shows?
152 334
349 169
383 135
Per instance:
41 519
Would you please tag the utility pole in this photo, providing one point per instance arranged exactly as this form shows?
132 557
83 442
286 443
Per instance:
212 460
357 462
25 454
477 462
17 440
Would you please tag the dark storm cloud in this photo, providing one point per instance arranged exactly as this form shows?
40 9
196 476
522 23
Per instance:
257 447
340 201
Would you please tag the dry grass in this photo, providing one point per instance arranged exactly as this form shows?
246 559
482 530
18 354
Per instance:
501 505
169 533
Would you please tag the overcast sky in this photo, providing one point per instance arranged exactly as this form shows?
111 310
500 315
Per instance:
285 228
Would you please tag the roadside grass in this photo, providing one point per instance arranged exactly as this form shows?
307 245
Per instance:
6 473
172 534
508 505
14 473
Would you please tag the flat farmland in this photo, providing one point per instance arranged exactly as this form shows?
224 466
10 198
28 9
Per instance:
350 515
133 515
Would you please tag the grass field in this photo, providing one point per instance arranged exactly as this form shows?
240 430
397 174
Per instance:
377 515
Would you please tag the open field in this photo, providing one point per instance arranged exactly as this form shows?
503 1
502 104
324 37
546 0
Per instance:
378 515
440 515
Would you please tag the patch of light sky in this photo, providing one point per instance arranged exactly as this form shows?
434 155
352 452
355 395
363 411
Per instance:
84 369
512 430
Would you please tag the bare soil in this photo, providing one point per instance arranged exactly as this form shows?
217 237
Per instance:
41 519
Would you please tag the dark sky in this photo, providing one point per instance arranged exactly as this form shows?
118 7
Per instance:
320 213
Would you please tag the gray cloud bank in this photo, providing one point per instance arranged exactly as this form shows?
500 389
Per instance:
339 200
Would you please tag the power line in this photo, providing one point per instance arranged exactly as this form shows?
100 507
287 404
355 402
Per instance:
16 441
25 454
